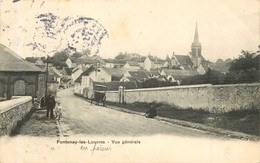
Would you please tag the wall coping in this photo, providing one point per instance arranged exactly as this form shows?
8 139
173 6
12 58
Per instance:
187 86
15 101
165 88
237 85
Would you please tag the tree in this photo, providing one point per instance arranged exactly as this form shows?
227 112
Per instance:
244 69
31 59
86 52
152 82
120 56
59 59
211 77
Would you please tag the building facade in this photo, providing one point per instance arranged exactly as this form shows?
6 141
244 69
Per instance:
19 77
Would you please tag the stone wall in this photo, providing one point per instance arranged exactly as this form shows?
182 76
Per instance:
12 111
213 98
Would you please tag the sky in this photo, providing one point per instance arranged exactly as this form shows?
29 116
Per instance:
146 27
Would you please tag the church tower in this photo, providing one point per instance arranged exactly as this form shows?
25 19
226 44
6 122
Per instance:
196 56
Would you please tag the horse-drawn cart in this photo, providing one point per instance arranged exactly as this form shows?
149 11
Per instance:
99 94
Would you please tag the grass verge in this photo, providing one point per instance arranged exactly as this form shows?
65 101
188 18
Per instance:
246 121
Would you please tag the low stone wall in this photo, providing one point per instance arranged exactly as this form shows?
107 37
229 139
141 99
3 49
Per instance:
12 111
213 98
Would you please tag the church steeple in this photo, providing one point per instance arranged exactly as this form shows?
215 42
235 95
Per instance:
196 48
196 36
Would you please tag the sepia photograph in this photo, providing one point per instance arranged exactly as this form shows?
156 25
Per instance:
130 81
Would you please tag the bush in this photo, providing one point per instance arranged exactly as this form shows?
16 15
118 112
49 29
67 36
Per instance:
152 83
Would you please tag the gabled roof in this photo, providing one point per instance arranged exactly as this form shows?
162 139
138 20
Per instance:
98 59
85 73
142 59
113 86
53 71
12 62
180 74
184 60
115 61
85 61
116 72
133 63
139 74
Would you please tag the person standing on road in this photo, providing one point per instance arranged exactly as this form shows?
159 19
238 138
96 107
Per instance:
50 104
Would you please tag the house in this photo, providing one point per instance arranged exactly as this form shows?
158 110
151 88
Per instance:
153 63
40 63
136 76
54 75
19 77
174 75
180 62
104 74
131 65
83 80
70 63
140 61
114 63
85 62
97 74
76 72
100 62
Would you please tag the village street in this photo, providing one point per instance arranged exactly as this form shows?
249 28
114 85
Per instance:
80 117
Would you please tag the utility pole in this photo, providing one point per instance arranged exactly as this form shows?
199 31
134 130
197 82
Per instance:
47 73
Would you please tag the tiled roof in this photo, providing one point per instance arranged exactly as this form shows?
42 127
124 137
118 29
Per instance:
113 86
142 59
85 61
139 74
184 60
180 74
85 73
115 61
116 72
10 61
133 63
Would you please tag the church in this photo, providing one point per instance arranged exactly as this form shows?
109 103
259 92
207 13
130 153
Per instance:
193 61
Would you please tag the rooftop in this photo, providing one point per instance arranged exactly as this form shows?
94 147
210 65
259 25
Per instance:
184 60
85 73
12 62
116 72
180 74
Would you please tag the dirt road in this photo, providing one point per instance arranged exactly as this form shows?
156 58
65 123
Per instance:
80 117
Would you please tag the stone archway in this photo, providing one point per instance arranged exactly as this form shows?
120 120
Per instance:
19 88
